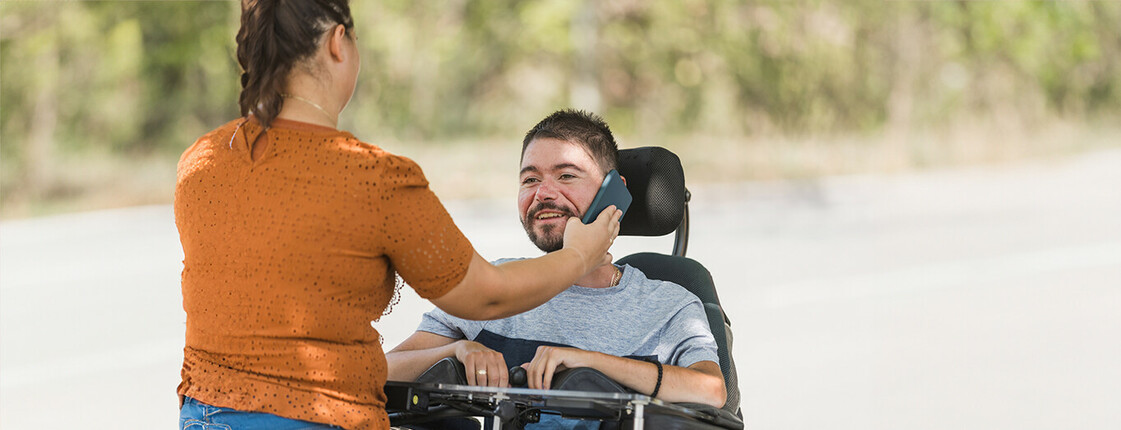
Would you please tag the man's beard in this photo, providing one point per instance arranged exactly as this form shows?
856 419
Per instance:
552 237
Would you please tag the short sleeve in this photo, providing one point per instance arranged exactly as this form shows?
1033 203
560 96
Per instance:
422 242
439 322
688 330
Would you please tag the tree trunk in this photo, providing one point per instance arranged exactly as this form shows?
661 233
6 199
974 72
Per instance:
583 90
39 157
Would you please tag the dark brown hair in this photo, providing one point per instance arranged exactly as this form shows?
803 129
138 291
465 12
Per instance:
580 127
276 35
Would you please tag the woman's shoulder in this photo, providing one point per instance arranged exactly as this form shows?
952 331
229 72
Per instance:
223 130
346 144
393 168
213 138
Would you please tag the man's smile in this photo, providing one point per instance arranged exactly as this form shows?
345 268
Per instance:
549 213
544 215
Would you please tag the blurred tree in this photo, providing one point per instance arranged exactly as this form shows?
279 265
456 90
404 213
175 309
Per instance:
130 77
148 77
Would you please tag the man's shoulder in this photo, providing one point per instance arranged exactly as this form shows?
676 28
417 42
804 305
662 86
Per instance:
656 288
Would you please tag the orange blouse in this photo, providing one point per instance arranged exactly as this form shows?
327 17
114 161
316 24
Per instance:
288 259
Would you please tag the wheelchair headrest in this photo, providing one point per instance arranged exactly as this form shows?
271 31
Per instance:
657 184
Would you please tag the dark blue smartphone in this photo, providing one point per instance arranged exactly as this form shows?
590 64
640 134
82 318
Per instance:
612 192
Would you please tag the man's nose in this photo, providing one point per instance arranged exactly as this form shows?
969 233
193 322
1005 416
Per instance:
546 191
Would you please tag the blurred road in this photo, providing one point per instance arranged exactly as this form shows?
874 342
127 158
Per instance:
984 298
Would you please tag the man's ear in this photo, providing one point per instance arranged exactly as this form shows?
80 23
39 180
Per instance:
624 178
335 41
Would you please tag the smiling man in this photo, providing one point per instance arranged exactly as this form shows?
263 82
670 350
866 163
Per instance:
614 320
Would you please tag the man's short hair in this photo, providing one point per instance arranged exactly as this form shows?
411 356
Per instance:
581 127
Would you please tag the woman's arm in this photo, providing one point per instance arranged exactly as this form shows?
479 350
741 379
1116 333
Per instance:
490 292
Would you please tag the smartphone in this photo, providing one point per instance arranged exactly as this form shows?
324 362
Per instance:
612 192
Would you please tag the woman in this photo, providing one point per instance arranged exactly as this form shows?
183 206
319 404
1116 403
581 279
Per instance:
294 233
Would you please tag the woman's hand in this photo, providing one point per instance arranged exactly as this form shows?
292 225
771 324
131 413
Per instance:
483 366
593 240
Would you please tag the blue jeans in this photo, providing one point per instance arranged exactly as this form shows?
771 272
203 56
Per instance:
556 422
196 415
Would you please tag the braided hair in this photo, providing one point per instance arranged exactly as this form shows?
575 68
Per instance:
275 36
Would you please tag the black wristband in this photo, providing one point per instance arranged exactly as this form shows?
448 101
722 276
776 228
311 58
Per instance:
657 385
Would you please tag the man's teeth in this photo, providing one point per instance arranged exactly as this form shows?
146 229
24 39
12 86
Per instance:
552 215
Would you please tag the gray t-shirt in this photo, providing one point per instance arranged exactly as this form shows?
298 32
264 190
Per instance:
640 318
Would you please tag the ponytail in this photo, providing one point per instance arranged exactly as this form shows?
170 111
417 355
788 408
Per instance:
275 35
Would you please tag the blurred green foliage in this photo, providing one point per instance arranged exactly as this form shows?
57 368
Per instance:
149 76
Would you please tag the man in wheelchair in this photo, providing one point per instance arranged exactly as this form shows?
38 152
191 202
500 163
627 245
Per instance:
650 336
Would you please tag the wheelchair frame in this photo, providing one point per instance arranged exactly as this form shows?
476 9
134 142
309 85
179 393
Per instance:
411 401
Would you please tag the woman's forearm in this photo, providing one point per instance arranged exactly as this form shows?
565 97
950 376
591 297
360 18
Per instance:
491 292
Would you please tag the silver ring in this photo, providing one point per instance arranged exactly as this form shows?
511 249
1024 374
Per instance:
481 372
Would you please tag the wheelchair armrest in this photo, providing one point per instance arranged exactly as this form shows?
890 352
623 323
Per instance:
446 371
451 371
587 379
721 417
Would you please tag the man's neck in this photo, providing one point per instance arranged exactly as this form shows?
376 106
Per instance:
604 276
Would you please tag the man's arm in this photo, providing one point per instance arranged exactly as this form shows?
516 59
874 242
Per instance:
416 354
422 349
701 382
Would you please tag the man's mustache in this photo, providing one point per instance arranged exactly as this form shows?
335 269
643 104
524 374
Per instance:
551 206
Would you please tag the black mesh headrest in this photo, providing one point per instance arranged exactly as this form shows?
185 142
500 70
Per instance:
657 184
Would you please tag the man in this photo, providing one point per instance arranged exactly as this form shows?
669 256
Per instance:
613 320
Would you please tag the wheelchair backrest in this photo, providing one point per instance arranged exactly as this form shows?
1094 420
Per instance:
656 181
694 277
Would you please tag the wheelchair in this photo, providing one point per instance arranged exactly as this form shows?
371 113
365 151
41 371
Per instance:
440 397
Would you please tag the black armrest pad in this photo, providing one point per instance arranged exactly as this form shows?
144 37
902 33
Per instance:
446 371
721 417
586 379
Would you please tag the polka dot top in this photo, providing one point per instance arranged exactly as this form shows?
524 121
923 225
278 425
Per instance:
288 257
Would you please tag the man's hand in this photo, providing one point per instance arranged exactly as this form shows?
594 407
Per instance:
552 359
483 366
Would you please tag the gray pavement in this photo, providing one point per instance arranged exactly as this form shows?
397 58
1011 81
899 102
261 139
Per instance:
970 298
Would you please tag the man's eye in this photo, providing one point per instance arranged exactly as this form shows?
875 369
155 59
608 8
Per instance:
528 181
568 176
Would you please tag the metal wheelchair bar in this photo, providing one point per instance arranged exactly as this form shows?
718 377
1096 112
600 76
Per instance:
639 414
